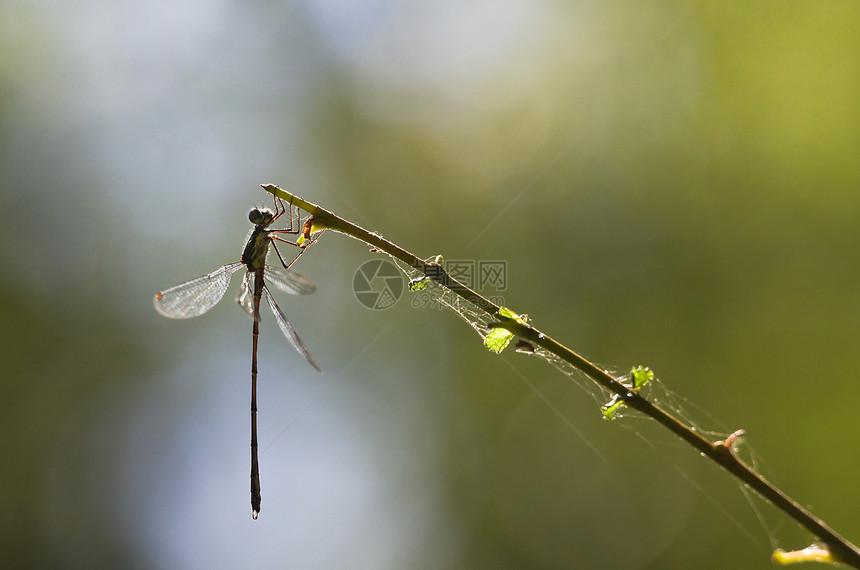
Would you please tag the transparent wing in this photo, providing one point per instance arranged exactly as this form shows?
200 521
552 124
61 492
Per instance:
246 295
289 281
288 329
195 297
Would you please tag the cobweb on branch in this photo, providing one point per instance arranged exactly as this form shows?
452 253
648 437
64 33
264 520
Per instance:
430 293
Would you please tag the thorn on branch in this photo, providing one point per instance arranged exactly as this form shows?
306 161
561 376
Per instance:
728 445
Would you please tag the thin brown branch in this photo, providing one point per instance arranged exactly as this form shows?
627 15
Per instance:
721 452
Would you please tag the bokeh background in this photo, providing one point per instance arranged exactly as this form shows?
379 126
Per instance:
675 184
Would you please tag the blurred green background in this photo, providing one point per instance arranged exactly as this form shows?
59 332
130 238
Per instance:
671 184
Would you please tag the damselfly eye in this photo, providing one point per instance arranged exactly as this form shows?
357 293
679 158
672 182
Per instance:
261 217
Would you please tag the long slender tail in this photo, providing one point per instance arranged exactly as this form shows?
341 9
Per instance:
256 496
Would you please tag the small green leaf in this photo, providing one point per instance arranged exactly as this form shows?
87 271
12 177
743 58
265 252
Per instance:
611 407
506 312
641 375
418 284
509 314
498 339
316 226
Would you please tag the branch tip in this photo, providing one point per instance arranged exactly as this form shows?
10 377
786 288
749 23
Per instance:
813 553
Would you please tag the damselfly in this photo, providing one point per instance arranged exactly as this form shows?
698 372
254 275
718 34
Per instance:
197 296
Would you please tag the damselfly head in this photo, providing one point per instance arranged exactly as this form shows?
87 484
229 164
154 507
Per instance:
264 216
